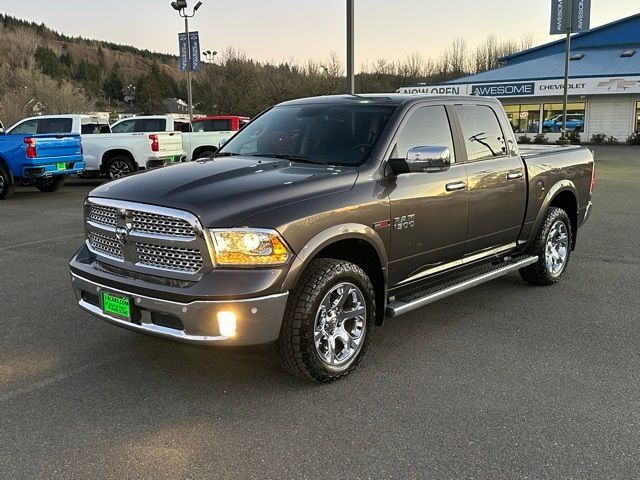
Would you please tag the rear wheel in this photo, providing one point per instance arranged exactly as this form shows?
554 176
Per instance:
51 184
553 248
6 185
119 166
328 321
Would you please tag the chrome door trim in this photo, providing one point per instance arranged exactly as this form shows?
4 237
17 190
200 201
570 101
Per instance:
459 263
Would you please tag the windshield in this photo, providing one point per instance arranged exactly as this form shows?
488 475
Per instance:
325 134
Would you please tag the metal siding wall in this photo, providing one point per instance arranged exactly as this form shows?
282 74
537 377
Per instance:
611 115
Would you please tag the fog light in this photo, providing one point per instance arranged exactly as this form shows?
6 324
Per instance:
227 324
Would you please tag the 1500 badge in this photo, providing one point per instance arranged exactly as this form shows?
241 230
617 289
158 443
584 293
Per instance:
404 223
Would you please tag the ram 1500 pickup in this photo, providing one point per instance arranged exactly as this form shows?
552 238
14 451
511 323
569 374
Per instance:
37 157
325 215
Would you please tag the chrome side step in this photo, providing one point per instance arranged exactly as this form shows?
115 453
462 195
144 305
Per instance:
438 292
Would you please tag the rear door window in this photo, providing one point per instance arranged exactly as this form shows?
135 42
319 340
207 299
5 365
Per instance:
147 125
483 136
94 128
55 125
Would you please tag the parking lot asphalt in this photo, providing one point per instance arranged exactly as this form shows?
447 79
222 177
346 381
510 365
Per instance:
503 381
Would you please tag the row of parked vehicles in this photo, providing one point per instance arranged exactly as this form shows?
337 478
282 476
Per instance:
44 150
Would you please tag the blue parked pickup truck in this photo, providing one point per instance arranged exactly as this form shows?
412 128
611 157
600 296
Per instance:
37 158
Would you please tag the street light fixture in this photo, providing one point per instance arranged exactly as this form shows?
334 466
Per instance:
181 7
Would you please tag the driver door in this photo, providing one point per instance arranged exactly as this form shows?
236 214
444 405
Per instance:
429 211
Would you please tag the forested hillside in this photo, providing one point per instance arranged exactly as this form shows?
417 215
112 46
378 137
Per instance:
42 71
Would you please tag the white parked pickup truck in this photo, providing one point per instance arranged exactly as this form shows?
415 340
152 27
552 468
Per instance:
199 141
114 154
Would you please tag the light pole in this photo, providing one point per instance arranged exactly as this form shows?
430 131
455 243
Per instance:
210 55
181 7
351 84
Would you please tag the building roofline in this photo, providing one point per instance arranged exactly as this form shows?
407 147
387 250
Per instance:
577 35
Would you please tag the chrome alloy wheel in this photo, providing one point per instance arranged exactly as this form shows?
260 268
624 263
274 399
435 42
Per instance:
340 324
557 248
118 169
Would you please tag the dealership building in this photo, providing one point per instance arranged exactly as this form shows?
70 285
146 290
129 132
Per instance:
604 84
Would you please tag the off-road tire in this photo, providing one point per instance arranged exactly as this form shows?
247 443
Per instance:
51 184
296 345
538 273
6 185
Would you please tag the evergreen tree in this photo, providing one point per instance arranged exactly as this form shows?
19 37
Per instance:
113 86
49 63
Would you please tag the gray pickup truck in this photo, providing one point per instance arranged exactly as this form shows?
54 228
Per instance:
323 217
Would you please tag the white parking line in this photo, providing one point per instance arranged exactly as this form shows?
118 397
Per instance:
41 241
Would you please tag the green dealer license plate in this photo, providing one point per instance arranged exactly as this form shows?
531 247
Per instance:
116 305
61 166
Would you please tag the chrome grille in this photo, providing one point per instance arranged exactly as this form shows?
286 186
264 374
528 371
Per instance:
145 238
169 258
161 225
103 215
105 245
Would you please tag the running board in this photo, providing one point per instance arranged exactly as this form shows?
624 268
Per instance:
412 302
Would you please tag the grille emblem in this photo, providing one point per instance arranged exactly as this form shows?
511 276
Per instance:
122 234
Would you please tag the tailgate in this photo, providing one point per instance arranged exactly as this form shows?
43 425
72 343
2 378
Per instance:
55 146
170 143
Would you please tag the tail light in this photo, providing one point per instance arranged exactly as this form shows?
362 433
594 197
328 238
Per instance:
155 143
593 179
31 147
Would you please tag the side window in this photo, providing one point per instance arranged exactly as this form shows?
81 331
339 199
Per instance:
94 128
427 127
30 127
481 130
219 125
125 126
55 125
151 125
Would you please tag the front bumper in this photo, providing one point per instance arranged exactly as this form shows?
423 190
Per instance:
258 319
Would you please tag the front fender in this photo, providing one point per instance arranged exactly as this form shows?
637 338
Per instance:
347 231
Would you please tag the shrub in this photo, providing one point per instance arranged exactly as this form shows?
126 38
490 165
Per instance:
524 139
612 139
598 138
540 139
574 137
634 139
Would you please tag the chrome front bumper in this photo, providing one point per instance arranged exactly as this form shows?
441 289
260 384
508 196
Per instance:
258 319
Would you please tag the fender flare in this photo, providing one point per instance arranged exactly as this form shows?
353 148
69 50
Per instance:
559 187
346 231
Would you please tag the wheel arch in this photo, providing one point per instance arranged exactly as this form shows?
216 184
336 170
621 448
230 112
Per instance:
109 154
355 243
562 195
203 148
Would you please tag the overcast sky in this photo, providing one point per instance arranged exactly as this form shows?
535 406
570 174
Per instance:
307 29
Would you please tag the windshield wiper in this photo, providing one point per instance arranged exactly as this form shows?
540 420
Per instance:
288 156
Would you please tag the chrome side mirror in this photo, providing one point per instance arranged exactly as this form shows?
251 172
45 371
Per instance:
423 159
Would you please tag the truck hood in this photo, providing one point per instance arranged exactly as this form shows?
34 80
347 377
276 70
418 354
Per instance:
224 191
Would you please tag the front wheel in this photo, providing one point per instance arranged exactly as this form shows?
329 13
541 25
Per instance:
328 321
553 248
51 184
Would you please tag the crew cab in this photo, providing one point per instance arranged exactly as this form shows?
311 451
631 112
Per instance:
204 137
323 217
31 153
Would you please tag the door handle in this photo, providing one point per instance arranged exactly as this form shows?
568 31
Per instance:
452 187
514 175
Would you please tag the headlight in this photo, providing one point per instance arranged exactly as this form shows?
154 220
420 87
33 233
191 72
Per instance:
244 246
